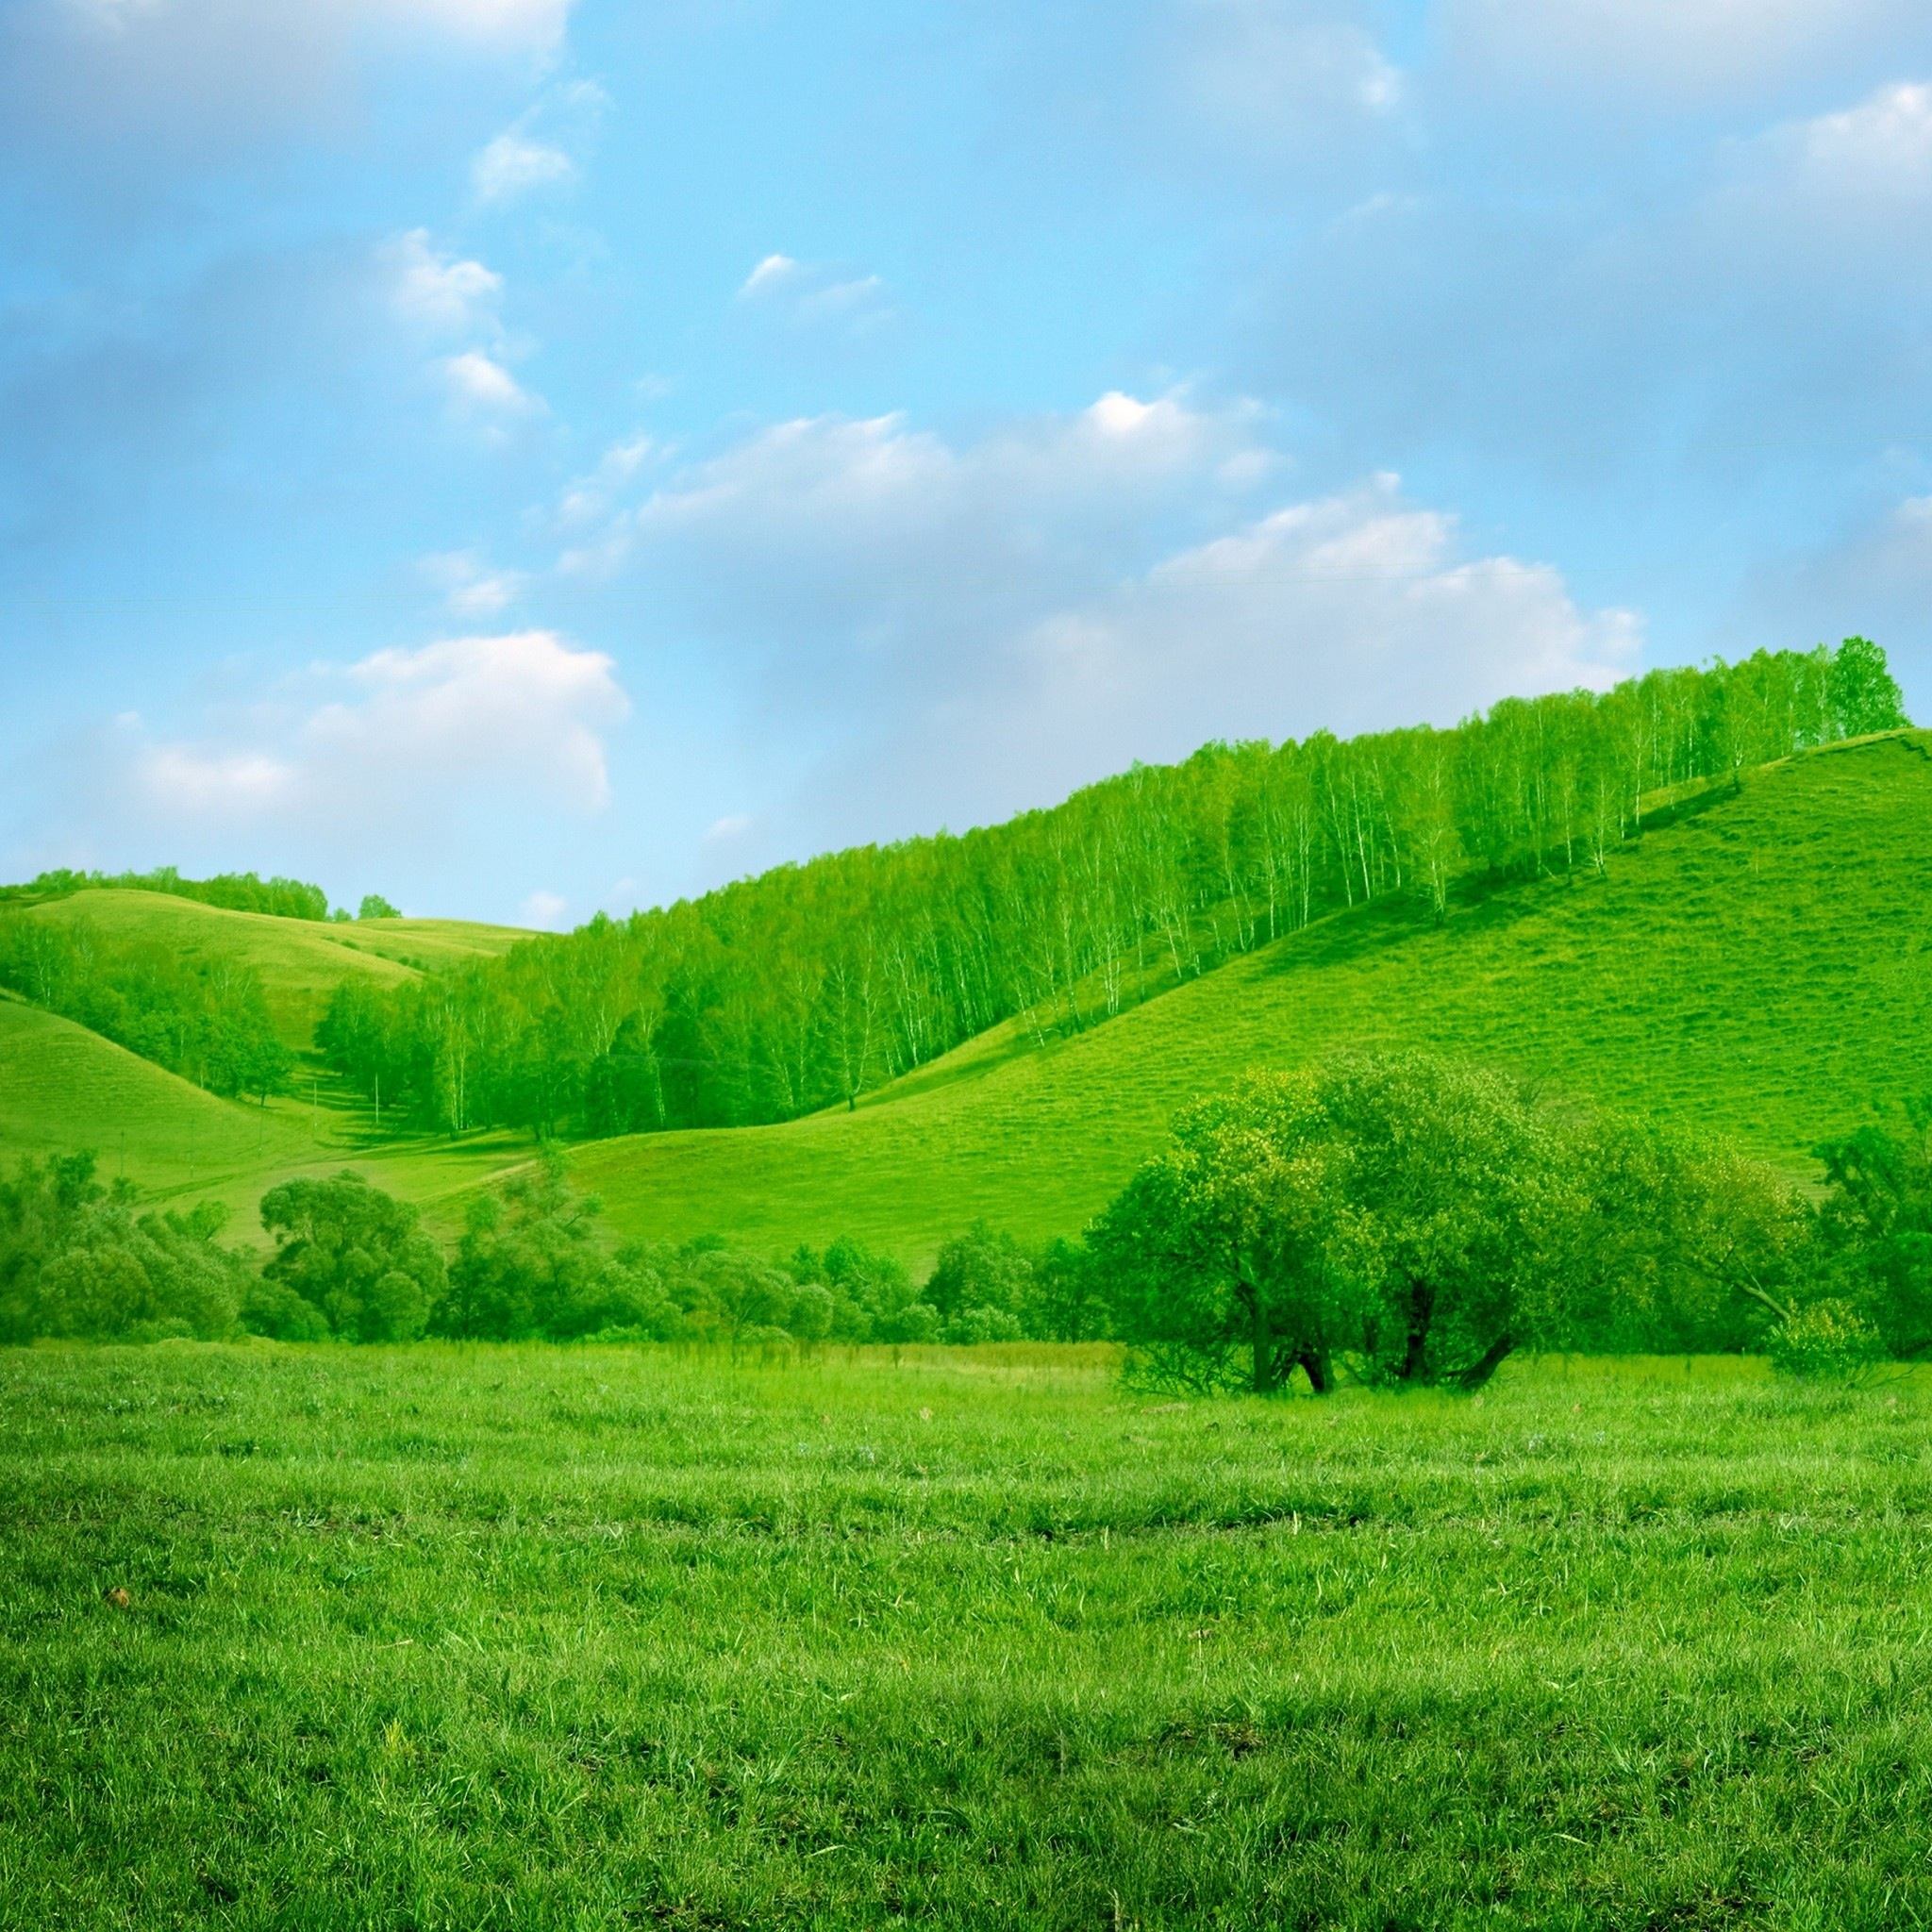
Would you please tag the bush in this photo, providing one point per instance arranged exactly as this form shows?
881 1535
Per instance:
75 1261
1827 1342
278 1312
355 1256
528 1267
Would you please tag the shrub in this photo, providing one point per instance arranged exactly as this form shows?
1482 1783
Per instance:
528 1267
1827 1341
356 1254
77 1262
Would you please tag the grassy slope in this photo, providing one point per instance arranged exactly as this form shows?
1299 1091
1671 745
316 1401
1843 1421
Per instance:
1761 966
301 961
609 1639
63 1088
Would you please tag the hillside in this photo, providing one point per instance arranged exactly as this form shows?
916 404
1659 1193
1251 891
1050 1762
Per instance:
1759 966
63 1089
301 961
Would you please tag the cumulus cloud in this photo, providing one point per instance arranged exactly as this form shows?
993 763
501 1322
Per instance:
976 627
402 739
439 292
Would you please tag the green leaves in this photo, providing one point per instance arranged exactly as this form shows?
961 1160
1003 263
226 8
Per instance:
1416 1219
356 1254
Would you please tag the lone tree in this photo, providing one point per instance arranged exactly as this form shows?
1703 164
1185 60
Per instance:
1391 1209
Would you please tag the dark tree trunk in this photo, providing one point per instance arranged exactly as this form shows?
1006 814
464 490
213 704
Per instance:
1264 1343
1480 1371
1314 1362
1422 1306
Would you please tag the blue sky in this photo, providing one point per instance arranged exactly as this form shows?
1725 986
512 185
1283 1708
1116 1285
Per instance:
524 456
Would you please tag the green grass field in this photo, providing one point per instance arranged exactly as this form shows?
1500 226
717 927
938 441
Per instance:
456 1638
1760 967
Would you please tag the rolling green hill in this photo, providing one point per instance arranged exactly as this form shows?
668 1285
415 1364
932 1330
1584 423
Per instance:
301 961
63 1089
1762 965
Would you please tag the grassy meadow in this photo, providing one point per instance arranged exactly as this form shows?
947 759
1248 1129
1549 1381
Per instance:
464 1636
1758 966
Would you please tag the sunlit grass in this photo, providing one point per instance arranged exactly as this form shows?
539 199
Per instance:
599 1638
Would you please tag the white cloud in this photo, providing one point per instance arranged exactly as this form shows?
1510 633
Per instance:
539 149
482 385
1881 148
402 737
439 292
769 275
190 81
544 910
469 585
1272 71
982 626
1669 50
817 295
513 165
523 21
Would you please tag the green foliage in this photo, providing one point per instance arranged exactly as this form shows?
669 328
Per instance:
77 1262
207 1020
238 891
528 1267
560 1638
1673 1242
1876 1225
354 1254
1419 1219
983 1287
1860 691
811 984
1393 1209
1826 1340
376 906
872 1298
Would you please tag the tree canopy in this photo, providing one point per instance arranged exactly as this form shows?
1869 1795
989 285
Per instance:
354 1254
1421 1219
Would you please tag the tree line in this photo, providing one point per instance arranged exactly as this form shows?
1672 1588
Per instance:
238 891
1389 1219
206 1018
235 891
806 985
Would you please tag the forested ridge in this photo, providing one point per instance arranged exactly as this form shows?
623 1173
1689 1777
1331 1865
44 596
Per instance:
206 1018
811 984
235 891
